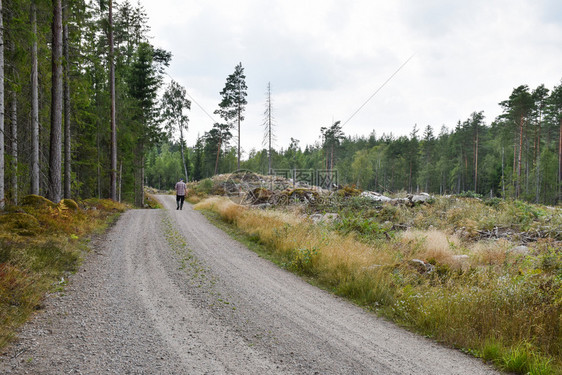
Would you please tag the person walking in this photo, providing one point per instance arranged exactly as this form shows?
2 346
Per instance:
180 193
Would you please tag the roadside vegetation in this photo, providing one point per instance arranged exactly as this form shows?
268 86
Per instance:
482 276
40 244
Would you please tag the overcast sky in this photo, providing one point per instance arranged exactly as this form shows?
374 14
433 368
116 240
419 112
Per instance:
325 58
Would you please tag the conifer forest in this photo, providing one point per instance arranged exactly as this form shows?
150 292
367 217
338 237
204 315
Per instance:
90 111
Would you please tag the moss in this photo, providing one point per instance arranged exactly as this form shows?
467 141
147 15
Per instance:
20 223
36 201
70 204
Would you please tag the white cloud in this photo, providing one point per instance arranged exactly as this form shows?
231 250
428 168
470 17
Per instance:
325 58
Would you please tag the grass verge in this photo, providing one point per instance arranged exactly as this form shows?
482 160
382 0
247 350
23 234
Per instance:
482 298
40 243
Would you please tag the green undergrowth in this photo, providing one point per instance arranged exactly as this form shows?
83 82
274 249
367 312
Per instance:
478 295
40 243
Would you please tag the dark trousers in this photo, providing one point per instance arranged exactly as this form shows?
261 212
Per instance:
179 201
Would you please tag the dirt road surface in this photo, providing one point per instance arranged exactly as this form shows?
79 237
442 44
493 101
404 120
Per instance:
166 292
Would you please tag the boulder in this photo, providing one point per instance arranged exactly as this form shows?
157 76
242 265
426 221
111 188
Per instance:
374 196
520 250
421 266
420 198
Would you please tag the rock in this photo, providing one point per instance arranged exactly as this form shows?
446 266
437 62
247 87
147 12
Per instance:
520 250
330 216
374 196
316 218
422 266
420 198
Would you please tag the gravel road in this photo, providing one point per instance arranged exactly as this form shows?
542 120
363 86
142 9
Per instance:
165 292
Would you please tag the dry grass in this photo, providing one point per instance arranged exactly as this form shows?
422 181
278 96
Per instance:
480 296
39 244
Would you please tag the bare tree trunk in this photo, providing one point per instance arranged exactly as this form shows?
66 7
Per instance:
560 164
55 185
120 176
2 193
14 133
66 100
538 160
182 155
142 180
113 169
218 153
34 105
98 149
503 176
269 126
518 186
239 120
476 162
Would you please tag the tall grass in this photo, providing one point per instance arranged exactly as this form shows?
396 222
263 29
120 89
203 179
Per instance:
40 242
478 296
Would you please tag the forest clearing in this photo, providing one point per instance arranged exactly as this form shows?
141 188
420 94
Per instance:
484 276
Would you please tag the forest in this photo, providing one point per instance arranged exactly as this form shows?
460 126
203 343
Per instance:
517 156
88 113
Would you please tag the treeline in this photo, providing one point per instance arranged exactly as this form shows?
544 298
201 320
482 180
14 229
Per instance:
79 84
518 155
79 90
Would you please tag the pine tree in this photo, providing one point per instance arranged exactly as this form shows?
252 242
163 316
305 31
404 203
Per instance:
233 103
174 105
55 180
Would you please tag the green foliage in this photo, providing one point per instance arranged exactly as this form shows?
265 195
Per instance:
303 259
367 228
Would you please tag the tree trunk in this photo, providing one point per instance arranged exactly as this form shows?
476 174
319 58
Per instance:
34 105
218 153
518 186
503 176
182 155
55 186
113 169
239 120
476 162
14 134
560 164
269 127
538 160
120 177
2 193
66 100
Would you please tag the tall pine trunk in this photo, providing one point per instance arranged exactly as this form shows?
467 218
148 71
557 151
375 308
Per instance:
14 133
55 186
66 100
239 121
2 193
182 154
518 183
476 161
113 169
34 105
218 153
560 164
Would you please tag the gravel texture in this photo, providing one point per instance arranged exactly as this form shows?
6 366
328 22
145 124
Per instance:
165 292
